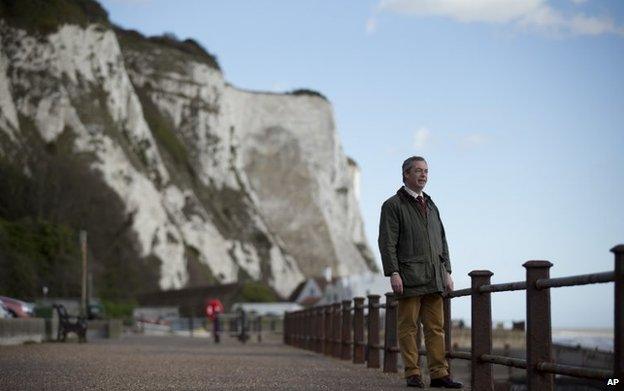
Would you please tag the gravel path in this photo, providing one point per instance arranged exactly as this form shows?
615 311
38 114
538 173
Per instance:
181 363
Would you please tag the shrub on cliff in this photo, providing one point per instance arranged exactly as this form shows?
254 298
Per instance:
257 292
46 16
305 91
36 253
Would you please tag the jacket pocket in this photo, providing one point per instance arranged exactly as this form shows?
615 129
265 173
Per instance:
415 271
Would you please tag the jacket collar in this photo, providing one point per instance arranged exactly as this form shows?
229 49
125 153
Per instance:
404 196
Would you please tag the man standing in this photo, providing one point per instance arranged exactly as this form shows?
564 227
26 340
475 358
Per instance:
415 256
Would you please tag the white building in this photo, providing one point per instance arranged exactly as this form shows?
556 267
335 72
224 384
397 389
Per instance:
265 309
346 288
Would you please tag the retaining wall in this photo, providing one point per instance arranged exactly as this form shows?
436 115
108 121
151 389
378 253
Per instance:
17 331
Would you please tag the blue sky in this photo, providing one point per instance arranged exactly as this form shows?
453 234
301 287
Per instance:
517 106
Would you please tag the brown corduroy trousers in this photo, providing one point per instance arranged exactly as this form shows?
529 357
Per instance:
431 311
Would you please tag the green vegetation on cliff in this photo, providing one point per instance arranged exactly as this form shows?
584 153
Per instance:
180 50
41 214
308 92
257 292
46 16
36 253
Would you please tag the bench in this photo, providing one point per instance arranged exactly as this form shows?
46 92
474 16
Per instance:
70 324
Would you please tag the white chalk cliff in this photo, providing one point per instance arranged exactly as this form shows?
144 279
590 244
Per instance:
248 182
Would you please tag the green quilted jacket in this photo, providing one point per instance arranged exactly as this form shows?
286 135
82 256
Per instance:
413 245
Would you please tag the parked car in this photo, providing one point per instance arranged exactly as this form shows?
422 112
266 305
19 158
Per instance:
95 310
4 311
18 308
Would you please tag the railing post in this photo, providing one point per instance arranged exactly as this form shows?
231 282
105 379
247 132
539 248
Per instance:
295 324
295 329
259 320
304 328
291 328
307 319
285 334
618 318
337 324
302 325
538 332
299 329
327 310
481 332
346 330
321 326
301 333
507 353
358 330
373 331
318 330
447 331
311 329
391 349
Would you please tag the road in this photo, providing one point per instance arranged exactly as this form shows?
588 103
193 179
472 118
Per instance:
136 362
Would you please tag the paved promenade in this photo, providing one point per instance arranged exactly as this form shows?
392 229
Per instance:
181 363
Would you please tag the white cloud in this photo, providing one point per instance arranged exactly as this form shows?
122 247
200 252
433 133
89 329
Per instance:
493 11
421 137
535 15
371 25
578 1
592 25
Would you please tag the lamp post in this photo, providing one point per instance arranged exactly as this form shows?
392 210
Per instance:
83 248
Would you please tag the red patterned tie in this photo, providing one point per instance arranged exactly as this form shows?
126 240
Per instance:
421 204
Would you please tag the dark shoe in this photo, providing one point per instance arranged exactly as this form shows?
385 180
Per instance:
445 382
414 381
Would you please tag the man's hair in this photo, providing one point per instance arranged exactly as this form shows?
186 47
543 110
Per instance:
407 164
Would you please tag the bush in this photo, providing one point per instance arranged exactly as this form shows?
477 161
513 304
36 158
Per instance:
37 253
45 16
305 91
118 309
44 312
137 41
258 292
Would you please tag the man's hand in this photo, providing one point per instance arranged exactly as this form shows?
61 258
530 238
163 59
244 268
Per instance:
397 283
448 282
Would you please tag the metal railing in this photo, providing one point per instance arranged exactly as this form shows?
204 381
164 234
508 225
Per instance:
245 325
338 329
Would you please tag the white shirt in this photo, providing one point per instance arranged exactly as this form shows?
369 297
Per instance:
412 192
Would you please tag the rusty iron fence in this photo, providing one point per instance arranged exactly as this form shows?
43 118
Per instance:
337 329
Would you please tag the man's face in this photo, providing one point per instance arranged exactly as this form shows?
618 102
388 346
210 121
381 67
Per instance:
416 177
